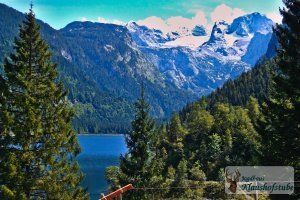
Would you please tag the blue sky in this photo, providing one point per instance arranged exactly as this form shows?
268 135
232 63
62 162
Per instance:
59 13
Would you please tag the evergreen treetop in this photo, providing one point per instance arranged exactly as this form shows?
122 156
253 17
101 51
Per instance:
37 142
281 127
134 165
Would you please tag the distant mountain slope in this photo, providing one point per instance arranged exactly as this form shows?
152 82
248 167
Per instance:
102 70
255 83
273 45
116 65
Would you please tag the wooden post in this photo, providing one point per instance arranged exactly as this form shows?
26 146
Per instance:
118 193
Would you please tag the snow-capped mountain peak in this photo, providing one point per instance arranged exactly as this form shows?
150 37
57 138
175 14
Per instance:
186 37
231 41
199 30
143 36
251 23
218 32
201 60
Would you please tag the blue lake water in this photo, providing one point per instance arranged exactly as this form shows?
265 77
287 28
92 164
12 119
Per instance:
97 153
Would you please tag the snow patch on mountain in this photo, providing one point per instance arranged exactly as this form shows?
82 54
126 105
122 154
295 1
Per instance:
144 36
185 37
66 55
191 41
109 48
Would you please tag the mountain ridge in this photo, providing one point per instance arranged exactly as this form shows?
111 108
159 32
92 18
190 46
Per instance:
101 88
104 65
176 76
229 50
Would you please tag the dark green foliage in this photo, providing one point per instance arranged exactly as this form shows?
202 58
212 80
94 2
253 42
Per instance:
37 142
255 83
137 139
173 143
96 111
214 190
229 128
281 129
220 137
187 153
133 165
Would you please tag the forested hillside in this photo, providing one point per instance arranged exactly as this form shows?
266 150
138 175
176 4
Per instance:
251 121
256 83
184 159
102 72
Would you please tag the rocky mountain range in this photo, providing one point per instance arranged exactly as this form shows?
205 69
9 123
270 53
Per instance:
104 65
229 50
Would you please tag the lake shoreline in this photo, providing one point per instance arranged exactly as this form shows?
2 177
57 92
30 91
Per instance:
98 151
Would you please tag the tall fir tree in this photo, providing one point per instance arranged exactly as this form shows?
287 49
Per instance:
282 121
37 143
174 141
134 164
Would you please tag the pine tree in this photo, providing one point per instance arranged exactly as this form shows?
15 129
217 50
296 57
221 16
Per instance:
37 143
174 141
282 125
134 164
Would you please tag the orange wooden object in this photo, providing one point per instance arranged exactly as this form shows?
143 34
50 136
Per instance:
118 192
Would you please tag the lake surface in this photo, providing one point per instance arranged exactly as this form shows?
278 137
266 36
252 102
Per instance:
97 153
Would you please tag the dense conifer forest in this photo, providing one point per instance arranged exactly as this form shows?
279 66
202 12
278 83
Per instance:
252 120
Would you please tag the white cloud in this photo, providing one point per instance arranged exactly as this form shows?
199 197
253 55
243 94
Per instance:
118 22
102 20
155 23
106 21
275 17
179 22
176 23
83 19
224 12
